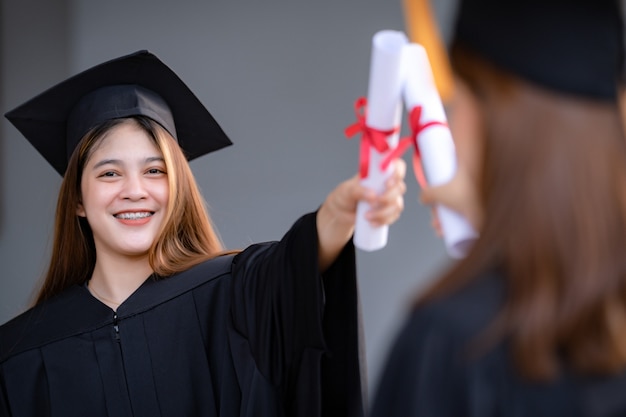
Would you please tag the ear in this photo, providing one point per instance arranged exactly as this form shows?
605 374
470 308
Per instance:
80 210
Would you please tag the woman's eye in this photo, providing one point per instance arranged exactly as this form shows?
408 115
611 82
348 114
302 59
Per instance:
156 171
109 174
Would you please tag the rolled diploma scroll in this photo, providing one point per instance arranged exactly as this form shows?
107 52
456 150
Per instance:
384 112
436 146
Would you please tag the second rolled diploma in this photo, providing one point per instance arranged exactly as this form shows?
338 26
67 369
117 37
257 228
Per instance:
438 154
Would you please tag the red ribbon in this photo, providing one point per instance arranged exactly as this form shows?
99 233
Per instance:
416 128
370 137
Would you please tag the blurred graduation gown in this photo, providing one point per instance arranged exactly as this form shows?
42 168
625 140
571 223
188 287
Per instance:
431 370
258 334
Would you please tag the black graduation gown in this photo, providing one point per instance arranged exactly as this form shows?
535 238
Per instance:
260 334
430 372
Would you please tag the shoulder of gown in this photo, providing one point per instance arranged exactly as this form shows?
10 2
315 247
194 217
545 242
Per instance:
425 373
431 369
75 311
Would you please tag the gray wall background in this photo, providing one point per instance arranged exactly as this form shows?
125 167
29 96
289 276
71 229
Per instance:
280 77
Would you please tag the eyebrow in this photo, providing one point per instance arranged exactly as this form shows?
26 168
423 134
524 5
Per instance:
119 162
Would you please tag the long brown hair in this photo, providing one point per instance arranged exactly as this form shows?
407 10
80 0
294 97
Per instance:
553 190
186 238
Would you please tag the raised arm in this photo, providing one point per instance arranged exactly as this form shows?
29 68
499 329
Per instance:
336 216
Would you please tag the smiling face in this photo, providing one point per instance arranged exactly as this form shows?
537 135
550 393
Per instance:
125 192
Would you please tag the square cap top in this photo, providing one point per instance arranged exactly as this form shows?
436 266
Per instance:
132 85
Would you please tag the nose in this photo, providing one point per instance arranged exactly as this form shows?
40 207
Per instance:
133 188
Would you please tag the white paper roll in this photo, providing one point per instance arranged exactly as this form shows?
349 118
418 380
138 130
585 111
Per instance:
436 146
384 112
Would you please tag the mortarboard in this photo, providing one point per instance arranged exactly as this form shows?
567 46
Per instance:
571 46
136 84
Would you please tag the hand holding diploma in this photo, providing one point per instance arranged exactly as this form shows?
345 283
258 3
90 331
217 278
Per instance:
401 70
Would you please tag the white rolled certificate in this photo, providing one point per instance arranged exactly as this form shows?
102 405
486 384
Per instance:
435 142
384 113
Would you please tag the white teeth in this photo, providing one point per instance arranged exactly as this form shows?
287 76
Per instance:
133 216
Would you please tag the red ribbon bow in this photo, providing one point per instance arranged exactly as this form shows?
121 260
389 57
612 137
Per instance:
370 137
416 128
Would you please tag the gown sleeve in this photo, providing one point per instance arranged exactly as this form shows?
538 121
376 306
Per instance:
300 327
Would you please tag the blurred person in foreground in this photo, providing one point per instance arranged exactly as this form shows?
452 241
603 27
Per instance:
533 321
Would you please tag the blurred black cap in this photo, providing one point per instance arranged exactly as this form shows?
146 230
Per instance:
132 85
571 46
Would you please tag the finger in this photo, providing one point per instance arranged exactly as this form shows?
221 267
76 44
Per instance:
386 213
429 195
395 185
400 169
382 219
366 194
446 194
390 195
398 173
350 192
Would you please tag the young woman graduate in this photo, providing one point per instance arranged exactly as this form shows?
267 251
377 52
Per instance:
142 311
533 321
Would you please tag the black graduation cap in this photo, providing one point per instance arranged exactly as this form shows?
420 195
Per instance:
572 46
135 84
